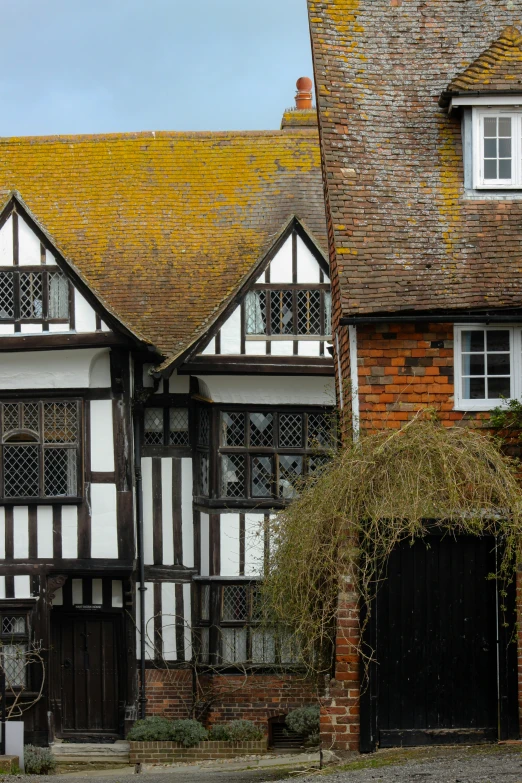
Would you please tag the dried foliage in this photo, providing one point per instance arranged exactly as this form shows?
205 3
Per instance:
389 487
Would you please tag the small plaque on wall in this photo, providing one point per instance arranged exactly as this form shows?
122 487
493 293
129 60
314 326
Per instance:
89 607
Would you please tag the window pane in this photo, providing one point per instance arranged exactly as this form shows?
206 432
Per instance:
204 427
473 364
30 417
31 303
490 126
474 389
490 148
291 430
320 429
262 477
234 606
504 168
21 465
13 659
498 364
232 476
205 602
203 473
60 422
204 645
504 149
290 471
11 416
60 472
498 340
153 427
58 295
261 429
281 312
179 427
498 387
232 429
263 646
473 340
490 169
327 313
309 312
6 295
255 312
317 462
504 126
12 625
233 645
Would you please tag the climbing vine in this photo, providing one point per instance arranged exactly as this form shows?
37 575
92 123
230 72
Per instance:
338 534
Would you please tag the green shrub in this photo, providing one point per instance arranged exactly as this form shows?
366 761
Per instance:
151 730
219 734
187 732
305 721
38 761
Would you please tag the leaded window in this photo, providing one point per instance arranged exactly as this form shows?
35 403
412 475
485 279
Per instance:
33 294
265 454
299 311
40 449
229 629
166 426
14 641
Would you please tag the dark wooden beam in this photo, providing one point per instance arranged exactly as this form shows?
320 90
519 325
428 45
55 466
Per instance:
46 342
252 365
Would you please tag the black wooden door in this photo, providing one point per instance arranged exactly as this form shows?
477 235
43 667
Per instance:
434 631
86 653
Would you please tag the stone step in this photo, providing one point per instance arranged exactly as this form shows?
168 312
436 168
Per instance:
73 752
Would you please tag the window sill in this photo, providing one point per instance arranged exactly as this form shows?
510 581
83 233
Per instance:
487 194
477 407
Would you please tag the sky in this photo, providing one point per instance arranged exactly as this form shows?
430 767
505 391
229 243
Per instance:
98 66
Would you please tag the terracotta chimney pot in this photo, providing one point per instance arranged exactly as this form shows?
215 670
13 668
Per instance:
303 96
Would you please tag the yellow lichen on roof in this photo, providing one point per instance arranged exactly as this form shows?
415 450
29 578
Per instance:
164 225
499 68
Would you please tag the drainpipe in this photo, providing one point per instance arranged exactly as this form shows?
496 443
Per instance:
141 559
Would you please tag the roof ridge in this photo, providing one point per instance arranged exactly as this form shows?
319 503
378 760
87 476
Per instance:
155 135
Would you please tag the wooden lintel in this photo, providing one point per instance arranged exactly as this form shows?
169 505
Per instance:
255 365
47 341
101 566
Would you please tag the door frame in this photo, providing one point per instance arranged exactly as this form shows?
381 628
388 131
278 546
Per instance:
507 674
55 689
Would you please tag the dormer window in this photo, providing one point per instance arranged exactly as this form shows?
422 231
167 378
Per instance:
300 311
497 148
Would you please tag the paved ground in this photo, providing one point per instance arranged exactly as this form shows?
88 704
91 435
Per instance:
485 764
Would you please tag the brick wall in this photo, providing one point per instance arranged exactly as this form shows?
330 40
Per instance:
169 693
168 752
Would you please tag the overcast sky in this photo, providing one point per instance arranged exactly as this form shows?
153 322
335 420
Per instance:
91 66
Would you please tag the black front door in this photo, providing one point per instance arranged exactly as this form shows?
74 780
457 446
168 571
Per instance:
86 658
440 675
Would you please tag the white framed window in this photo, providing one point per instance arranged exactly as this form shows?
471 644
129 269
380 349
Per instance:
488 366
497 148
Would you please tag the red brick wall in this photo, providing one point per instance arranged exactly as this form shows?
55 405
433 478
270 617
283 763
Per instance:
169 693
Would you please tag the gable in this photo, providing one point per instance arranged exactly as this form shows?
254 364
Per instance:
295 279
37 292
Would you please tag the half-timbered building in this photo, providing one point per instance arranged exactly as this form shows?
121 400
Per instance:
165 382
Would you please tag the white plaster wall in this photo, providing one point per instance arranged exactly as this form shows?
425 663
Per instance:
20 531
210 348
28 245
231 333
205 545
50 260
6 243
255 347
146 474
44 523
187 518
276 390
166 511
254 544
102 438
7 329
229 541
2 532
282 347
117 593
168 620
100 370
307 267
69 369
308 348
69 532
281 264
2 586
22 586
31 328
179 384
84 315
149 621
104 530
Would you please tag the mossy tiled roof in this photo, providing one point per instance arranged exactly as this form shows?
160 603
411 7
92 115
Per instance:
164 226
498 69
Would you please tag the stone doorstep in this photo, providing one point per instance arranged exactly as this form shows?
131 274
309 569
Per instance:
65 753
9 763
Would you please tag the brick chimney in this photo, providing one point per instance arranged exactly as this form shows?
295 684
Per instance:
304 114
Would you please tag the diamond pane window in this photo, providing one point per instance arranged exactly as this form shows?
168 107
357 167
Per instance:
204 427
290 471
203 463
232 429
6 295
319 430
11 417
60 472
317 462
261 429
309 312
12 625
58 292
234 607
21 471
31 295
153 435
14 664
291 430
327 314
30 416
60 422
262 477
255 312
232 476
179 427
281 312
